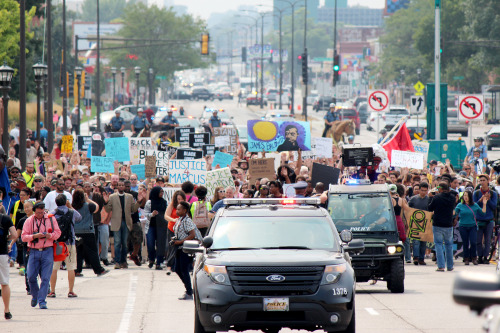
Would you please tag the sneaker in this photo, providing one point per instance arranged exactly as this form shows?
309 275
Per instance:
34 302
158 268
8 315
136 260
43 306
449 269
440 270
151 264
78 274
124 265
104 272
106 262
52 294
72 295
117 266
186 296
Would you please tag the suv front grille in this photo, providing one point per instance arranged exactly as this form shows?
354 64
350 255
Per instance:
298 280
369 250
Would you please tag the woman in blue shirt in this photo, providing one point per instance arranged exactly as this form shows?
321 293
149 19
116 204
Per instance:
466 211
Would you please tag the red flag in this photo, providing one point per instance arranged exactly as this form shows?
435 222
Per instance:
400 141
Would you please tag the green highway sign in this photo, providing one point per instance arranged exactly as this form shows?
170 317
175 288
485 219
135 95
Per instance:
160 77
458 78
322 59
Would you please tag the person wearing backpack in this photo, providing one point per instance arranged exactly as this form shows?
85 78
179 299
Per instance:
66 218
199 210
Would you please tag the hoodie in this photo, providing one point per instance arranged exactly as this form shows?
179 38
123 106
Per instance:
442 205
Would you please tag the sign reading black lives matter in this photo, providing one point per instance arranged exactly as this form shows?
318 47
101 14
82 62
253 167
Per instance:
197 140
162 158
188 154
84 142
182 134
208 150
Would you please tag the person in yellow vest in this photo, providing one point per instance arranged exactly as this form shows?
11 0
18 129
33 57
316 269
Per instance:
29 174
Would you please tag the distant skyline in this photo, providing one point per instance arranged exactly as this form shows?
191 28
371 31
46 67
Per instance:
204 8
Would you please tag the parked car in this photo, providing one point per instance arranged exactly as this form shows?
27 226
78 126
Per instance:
455 125
371 122
223 93
323 103
201 93
350 113
417 126
394 115
312 97
106 118
182 94
253 99
279 115
363 112
493 138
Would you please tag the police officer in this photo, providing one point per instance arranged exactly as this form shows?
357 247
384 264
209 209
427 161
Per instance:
117 123
383 133
214 121
300 189
330 117
139 122
169 122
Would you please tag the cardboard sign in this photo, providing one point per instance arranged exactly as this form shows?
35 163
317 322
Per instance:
83 142
277 159
117 148
139 170
271 136
222 159
421 147
150 166
137 144
419 224
188 154
98 142
182 134
232 133
323 147
67 144
197 140
407 159
325 174
102 164
222 141
162 159
181 171
208 150
261 168
218 178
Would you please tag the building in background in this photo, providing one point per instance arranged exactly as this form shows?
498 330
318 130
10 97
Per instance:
359 16
312 10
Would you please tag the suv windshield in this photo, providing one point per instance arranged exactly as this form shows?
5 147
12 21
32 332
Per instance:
277 232
357 212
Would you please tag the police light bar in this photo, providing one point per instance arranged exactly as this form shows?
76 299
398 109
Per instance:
272 201
353 181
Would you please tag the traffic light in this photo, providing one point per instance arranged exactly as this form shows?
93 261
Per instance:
243 54
271 57
70 82
304 68
336 68
204 44
299 59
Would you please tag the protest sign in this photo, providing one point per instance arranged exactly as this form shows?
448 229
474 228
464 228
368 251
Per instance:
117 148
181 171
162 158
67 144
150 166
289 190
419 224
222 159
83 142
325 174
197 140
232 147
139 170
188 154
277 159
208 150
421 147
102 164
222 141
98 141
168 193
136 144
182 134
261 168
407 159
218 178
272 136
323 147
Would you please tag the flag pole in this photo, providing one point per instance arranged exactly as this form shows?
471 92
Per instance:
394 128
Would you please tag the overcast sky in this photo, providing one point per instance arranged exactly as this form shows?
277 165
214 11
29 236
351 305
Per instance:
204 8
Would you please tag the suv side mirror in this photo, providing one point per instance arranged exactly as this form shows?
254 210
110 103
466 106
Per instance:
207 242
192 246
476 290
355 246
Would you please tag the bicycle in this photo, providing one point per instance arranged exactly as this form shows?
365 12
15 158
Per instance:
494 242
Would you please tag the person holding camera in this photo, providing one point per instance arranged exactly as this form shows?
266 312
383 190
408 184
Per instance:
485 221
478 164
40 231
8 236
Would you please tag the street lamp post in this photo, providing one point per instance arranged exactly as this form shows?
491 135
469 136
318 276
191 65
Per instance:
113 72
78 72
150 81
137 70
40 71
402 86
6 73
122 71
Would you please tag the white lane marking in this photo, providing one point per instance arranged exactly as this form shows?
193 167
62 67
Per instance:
372 311
129 306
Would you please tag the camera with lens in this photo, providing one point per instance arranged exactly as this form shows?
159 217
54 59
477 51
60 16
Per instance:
495 165
172 240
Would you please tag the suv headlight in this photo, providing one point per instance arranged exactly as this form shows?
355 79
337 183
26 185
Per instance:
332 273
218 274
392 249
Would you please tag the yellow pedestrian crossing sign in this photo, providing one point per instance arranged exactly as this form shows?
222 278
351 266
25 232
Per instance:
419 87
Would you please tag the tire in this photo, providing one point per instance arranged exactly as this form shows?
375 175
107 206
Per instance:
198 327
357 131
396 283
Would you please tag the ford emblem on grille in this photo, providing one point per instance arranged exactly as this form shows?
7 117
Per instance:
275 278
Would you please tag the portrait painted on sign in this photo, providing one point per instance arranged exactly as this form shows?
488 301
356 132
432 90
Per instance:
274 136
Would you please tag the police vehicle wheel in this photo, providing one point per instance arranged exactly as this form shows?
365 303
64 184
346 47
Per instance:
396 284
198 327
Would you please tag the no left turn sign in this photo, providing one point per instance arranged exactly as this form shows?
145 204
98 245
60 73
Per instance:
471 107
378 100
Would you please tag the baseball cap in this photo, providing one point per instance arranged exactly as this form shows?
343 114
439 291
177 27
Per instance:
383 131
140 110
117 111
332 105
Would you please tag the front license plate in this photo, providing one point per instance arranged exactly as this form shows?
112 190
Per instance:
276 304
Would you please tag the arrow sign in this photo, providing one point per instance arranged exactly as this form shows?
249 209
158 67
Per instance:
471 107
417 104
378 100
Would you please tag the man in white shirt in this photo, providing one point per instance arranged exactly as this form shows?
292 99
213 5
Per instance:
60 124
50 199
15 133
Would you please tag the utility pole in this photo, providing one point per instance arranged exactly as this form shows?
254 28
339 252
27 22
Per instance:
305 79
334 52
98 73
262 63
50 87
22 86
64 72
437 67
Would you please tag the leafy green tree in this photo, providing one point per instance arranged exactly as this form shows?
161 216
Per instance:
108 10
